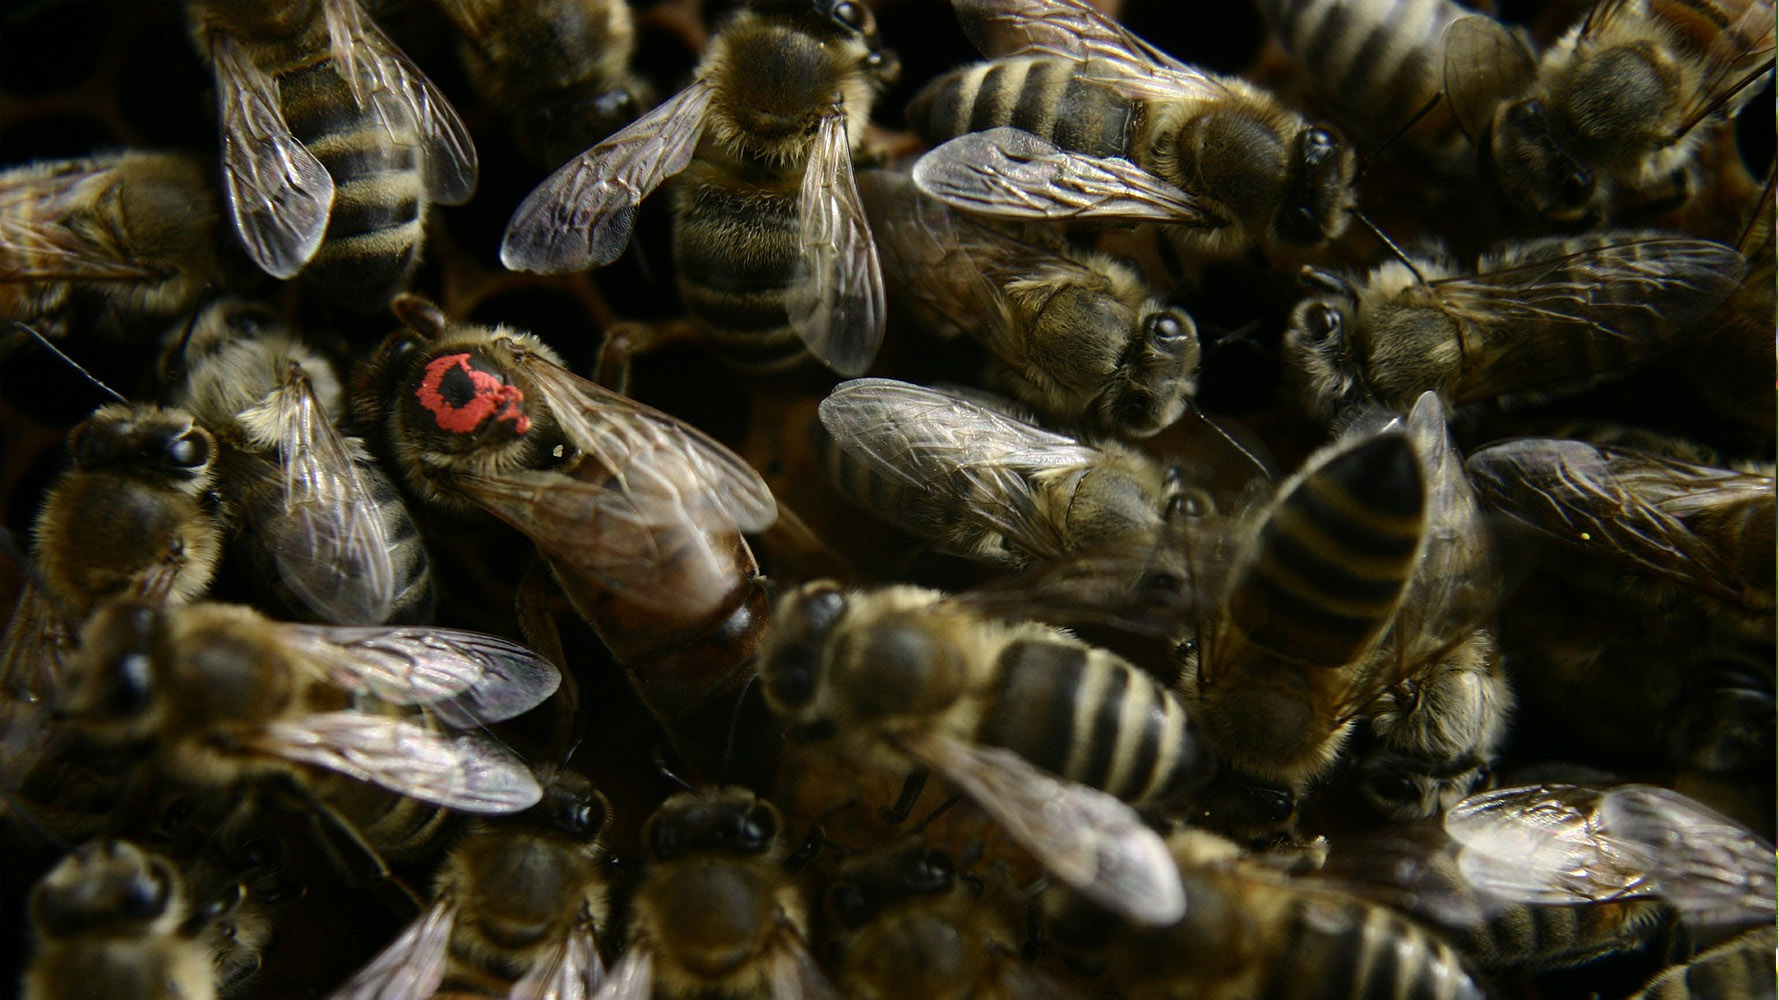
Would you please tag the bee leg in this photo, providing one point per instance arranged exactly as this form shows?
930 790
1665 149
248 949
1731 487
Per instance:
624 342
910 793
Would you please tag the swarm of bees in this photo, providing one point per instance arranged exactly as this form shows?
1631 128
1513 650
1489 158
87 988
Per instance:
997 499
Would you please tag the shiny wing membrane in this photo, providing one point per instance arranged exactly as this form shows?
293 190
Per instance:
466 678
836 301
1543 844
1485 65
572 971
36 244
466 771
411 966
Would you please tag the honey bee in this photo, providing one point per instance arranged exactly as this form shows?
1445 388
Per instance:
716 912
333 144
1726 372
1561 843
1377 63
638 514
1619 101
772 247
1253 932
1079 336
1547 316
907 926
114 243
217 695
322 520
981 483
560 68
1095 123
517 911
1050 736
1737 969
117 922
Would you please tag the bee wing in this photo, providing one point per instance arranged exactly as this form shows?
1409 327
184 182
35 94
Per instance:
328 543
382 77
1089 839
572 971
1075 29
1544 844
937 257
656 461
1010 172
836 300
1709 867
1617 302
1485 64
279 195
956 449
466 678
411 966
35 648
1618 503
466 771
581 216
632 978
35 242
793 972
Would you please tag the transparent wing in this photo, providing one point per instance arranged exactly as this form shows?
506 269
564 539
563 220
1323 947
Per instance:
793 972
1010 172
467 771
836 299
956 449
581 215
1709 867
1737 56
36 244
278 194
1484 65
656 460
632 978
382 77
329 542
1627 505
572 971
936 260
1089 839
412 966
35 648
466 678
1544 844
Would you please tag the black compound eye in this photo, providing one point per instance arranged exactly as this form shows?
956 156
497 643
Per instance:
933 872
148 897
1272 805
132 684
1577 188
188 451
1394 788
1320 322
848 15
758 829
1319 146
1165 328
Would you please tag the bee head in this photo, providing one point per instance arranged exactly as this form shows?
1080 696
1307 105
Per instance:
1530 160
110 688
865 889
1317 208
793 668
105 884
164 445
1318 346
1155 378
723 821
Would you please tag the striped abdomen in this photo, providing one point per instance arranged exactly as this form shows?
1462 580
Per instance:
414 597
940 513
376 160
1378 61
1334 557
736 246
1335 948
1089 716
1741 969
1043 95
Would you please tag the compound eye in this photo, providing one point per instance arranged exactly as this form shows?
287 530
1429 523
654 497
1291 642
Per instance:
848 15
1272 805
148 897
1577 188
1166 327
933 872
189 451
1319 146
1321 322
1394 788
760 827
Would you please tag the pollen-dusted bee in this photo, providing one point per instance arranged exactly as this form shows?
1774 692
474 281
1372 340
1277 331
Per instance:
1620 100
560 68
518 911
981 483
323 525
638 514
1253 932
1046 733
717 913
333 144
216 695
1545 316
117 922
113 242
905 925
773 251
1079 337
1105 126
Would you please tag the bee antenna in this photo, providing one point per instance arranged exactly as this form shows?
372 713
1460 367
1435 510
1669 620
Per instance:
177 356
659 755
940 810
420 314
562 765
1391 244
734 724
53 349
1414 119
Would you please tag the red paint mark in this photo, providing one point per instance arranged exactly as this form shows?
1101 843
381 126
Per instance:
490 394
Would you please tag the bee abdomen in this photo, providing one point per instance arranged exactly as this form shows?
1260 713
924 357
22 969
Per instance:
1344 950
737 247
1335 555
1736 970
1087 716
1045 96
1381 60
414 596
